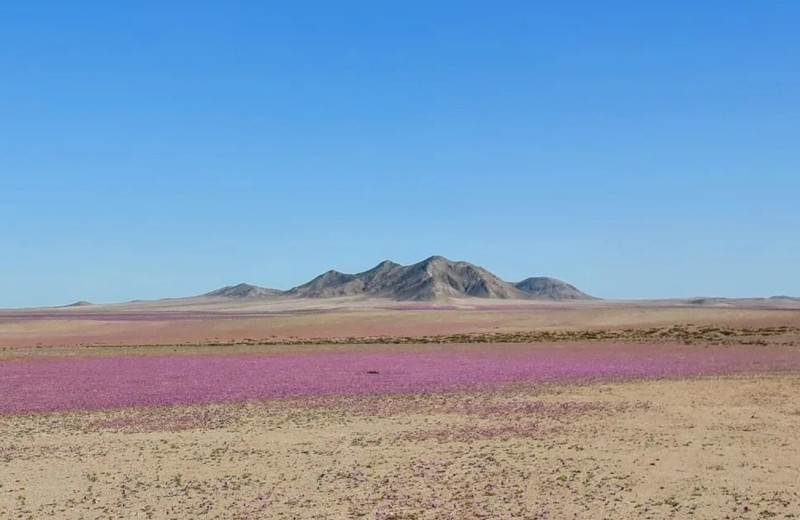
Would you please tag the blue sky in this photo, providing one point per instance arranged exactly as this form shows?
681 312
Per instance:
636 149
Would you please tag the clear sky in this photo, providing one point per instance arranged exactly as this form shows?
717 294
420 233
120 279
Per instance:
636 149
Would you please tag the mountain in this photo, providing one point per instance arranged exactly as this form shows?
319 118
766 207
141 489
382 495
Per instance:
81 303
551 289
244 290
433 278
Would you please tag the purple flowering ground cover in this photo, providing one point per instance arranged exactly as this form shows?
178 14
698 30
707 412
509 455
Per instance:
59 384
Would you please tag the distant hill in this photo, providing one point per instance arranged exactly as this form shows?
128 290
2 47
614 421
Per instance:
787 298
244 290
431 279
550 289
81 303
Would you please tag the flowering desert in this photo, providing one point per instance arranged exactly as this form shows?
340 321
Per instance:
641 421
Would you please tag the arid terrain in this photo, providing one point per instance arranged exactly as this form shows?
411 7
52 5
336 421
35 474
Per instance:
200 321
705 447
352 407
399 260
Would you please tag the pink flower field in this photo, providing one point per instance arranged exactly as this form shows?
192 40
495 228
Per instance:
57 384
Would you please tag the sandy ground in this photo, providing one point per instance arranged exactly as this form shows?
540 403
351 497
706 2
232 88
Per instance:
132 326
712 447
715 447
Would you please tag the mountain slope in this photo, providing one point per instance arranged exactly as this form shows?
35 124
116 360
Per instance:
433 278
550 288
244 290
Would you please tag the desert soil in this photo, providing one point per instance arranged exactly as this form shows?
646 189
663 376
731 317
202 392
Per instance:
709 447
686 413
101 326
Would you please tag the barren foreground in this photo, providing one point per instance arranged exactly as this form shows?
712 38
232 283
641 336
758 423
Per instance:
150 324
581 412
709 447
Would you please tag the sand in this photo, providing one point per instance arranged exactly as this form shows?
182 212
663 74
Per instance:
713 447
721 446
110 325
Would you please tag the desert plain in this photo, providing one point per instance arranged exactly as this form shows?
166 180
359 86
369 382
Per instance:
358 408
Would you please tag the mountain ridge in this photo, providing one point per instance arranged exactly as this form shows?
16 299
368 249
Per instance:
244 290
551 288
433 278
